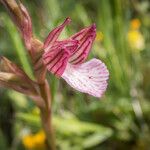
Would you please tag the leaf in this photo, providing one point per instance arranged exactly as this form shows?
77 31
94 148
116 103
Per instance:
3 143
29 119
90 134
19 100
96 138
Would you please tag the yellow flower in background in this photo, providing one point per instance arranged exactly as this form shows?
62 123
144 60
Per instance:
135 37
28 141
99 36
34 141
136 40
39 139
135 24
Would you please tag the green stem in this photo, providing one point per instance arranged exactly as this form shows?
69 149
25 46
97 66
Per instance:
46 119
46 116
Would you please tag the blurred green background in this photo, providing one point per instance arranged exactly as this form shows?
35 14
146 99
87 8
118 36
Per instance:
120 120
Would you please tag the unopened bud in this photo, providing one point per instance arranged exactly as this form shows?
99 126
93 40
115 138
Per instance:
11 76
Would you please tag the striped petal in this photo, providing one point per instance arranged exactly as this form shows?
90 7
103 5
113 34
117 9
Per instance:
90 77
57 57
56 60
54 34
71 45
85 37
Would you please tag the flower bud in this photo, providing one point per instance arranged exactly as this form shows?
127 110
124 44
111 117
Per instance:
11 76
21 18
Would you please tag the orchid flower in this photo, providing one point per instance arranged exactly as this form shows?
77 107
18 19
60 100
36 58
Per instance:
66 59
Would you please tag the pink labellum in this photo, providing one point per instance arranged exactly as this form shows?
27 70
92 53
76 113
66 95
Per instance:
90 77
85 37
54 34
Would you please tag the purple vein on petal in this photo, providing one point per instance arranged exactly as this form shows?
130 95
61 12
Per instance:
55 57
54 34
85 37
90 77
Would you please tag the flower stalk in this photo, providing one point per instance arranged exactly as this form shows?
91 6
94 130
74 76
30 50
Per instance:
46 116
46 119
40 91
64 59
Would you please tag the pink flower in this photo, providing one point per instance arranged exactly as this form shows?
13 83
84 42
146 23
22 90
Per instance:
65 59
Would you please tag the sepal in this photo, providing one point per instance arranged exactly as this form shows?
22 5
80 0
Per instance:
85 37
